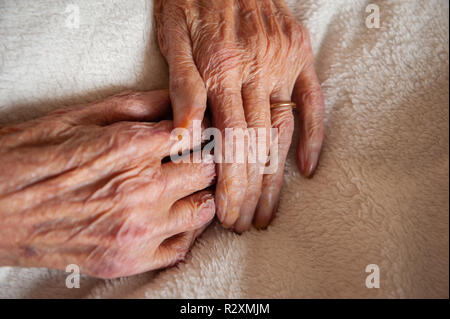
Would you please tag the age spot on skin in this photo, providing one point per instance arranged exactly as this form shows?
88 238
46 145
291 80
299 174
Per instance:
28 251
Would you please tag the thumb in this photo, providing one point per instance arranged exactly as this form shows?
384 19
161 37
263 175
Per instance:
187 89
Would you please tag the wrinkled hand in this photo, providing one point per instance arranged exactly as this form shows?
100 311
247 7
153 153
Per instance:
241 56
80 187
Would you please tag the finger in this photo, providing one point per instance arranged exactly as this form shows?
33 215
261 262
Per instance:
183 179
283 120
128 106
311 107
257 112
228 113
271 24
174 249
131 106
136 139
104 150
187 89
124 144
190 213
101 149
154 140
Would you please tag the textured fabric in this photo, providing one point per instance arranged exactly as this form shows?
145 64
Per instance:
380 195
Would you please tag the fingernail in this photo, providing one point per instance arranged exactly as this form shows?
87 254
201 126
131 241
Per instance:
302 161
229 220
262 218
185 124
244 222
261 225
311 164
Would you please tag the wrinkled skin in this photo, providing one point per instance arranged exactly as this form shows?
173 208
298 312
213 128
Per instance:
85 185
240 56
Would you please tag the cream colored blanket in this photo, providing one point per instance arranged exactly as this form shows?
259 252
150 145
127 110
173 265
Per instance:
380 195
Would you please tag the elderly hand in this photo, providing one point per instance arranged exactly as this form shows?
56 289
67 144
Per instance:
242 56
85 185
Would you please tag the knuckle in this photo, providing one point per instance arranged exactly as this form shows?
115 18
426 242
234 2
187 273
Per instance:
190 209
179 249
182 250
182 246
235 184
286 125
175 260
234 123
182 79
127 232
313 95
130 102
314 115
295 34
106 264
284 122
112 258
304 32
185 82
120 136
120 101
257 119
225 91
298 28
124 135
219 61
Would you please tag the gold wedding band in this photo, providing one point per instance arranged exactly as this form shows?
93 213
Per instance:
281 104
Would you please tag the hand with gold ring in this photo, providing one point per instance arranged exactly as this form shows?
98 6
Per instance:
242 56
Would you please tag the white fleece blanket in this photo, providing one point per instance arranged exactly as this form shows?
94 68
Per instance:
379 197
